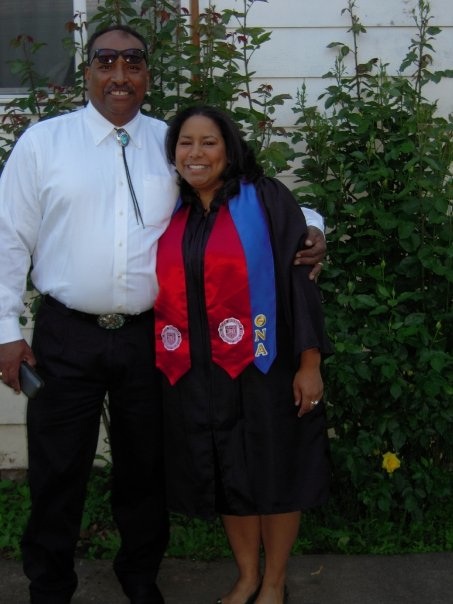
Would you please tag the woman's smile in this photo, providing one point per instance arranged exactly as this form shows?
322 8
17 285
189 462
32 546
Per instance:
200 156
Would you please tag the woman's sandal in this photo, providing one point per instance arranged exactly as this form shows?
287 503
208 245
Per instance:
250 600
254 595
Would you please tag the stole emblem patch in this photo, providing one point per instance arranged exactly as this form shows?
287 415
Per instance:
231 330
171 337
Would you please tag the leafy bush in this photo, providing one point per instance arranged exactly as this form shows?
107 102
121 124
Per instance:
14 510
378 166
199 540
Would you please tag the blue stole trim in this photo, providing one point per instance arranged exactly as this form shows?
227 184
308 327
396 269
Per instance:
252 226
177 205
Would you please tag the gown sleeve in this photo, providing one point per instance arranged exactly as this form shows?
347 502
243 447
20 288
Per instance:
299 296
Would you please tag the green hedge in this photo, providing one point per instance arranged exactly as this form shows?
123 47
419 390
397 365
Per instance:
378 166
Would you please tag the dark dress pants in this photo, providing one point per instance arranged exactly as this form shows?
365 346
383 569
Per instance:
81 363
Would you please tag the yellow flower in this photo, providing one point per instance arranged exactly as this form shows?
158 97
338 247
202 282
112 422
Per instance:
390 462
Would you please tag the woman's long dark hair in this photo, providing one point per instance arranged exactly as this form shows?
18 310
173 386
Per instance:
241 161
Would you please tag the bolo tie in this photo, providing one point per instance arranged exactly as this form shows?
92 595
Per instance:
123 139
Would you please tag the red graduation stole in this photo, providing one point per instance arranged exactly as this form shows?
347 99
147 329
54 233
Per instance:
170 308
227 297
238 321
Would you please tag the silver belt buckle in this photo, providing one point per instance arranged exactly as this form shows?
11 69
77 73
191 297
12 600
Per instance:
111 321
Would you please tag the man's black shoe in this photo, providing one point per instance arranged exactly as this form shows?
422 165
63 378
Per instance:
147 595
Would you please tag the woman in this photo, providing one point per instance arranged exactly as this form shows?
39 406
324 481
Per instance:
245 423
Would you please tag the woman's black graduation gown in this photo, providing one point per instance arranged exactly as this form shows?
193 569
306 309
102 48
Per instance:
236 446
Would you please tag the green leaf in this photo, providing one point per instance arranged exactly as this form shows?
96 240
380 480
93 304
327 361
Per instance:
365 300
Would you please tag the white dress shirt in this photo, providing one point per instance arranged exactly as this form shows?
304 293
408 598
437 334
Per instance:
65 201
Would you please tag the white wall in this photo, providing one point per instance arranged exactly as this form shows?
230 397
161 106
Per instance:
301 31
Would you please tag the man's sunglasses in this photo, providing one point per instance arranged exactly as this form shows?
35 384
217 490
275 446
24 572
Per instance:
108 56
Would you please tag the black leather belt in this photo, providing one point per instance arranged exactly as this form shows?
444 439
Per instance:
107 321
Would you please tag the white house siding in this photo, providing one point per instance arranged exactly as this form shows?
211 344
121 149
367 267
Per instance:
12 429
297 52
301 31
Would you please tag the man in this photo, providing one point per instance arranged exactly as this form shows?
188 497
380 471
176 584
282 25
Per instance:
87 195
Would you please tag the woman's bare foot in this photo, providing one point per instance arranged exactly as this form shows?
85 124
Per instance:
273 595
243 592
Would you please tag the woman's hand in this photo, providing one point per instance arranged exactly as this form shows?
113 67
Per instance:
308 386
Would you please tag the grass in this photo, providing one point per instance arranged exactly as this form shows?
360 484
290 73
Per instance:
328 530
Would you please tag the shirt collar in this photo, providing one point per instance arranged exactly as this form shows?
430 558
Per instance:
101 128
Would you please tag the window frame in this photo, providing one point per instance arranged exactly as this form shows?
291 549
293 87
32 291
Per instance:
80 11
79 7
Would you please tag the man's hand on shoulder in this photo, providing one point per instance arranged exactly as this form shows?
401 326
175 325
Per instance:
314 252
